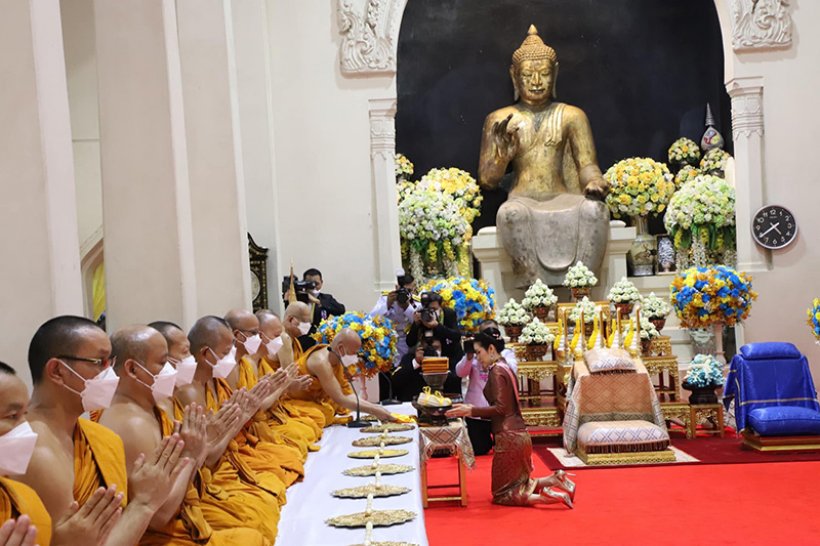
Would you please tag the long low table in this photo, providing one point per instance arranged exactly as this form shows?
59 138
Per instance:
310 502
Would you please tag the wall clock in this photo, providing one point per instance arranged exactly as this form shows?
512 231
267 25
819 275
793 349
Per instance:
259 274
774 227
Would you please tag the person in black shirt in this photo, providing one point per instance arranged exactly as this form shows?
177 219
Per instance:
324 305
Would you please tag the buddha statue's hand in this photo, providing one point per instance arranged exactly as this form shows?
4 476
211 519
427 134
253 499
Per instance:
505 137
596 189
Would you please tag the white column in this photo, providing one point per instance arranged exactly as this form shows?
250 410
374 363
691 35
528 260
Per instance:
40 268
206 47
253 74
386 213
149 258
747 133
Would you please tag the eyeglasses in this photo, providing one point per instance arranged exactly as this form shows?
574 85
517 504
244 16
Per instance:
98 362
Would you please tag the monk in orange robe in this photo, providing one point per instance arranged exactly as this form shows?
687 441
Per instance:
146 379
75 459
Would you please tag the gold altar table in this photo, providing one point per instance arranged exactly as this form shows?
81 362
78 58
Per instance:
539 406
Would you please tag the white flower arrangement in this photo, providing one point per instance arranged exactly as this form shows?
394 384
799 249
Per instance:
536 333
685 175
654 307
588 307
513 314
648 330
458 184
580 276
714 162
624 291
539 294
428 216
638 186
404 167
684 151
704 371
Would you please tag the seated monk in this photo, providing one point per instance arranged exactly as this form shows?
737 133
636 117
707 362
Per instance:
24 518
146 378
234 485
287 457
70 359
326 365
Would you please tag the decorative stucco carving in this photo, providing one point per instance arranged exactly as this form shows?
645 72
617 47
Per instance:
747 106
761 24
370 32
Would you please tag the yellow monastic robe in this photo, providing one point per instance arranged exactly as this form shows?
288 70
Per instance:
99 461
230 497
286 462
190 528
313 401
18 499
294 431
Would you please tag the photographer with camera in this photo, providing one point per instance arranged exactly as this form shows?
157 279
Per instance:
399 306
469 366
323 305
433 321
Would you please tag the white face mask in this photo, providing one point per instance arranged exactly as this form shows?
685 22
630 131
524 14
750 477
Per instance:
164 382
252 344
274 345
349 360
98 391
16 449
186 368
304 328
225 365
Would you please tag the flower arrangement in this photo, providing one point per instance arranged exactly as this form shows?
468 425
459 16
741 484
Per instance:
704 371
378 341
588 307
714 162
536 333
432 230
814 319
580 276
513 314
701 217
703 296
459 185
404 167
685 175
624 291
648 330
472 300
654 307
538 295
638 186
684 151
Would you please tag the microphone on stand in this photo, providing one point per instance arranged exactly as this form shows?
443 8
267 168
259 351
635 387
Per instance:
357 422
391 401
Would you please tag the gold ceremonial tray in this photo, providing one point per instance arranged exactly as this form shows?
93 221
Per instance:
382 453
385 469
389 427
380 518
375 441
362 491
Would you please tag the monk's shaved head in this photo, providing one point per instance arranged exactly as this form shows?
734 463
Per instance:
133 342
63 335
299 310
348 339
269 323
207 332
243 320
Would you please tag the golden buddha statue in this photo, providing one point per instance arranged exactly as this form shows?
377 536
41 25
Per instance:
555 214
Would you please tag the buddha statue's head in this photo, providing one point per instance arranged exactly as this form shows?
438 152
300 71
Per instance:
534 70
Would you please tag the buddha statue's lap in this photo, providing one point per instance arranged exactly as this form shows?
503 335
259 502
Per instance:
555 214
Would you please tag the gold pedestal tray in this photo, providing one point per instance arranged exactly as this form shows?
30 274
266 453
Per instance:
361 492
389 427
375 441
382 453
380 518
385 469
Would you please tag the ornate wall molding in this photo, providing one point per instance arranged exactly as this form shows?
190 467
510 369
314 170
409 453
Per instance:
747 106
382 127
370 33
761 24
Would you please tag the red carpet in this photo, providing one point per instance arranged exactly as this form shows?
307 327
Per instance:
691 505
709 450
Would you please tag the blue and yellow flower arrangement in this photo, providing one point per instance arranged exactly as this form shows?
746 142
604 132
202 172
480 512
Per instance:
378 341
702 296
814 319
472 300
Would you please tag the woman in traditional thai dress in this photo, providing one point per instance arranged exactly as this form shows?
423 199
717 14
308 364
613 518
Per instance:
512 457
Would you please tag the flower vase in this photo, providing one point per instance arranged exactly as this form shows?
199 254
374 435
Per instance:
513 331
646 344
641 257
535 351
703 341
659 323
625 308
701 395
542 312
579 292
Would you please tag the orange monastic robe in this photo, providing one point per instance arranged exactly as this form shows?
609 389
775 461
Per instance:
301 433
190 528
314 402
99 461
18 499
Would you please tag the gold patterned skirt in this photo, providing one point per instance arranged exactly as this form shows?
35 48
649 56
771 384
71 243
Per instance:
512 467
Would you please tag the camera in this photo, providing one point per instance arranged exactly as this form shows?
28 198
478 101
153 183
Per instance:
469 345
428 315
302 288
402 296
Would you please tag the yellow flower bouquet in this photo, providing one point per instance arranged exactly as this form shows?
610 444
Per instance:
639 186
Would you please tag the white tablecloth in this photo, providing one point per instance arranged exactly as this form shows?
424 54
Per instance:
310 503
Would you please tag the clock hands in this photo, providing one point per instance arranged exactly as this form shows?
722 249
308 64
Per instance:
774 227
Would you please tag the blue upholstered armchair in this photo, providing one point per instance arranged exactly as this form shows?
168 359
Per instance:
773 392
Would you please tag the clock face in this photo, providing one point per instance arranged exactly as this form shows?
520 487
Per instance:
774 227
255 285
